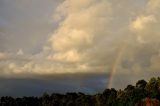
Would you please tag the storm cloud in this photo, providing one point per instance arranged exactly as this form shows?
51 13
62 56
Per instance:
55 37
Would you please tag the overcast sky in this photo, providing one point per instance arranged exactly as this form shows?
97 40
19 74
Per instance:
78 37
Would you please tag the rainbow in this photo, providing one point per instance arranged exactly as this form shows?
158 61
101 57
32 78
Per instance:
115 65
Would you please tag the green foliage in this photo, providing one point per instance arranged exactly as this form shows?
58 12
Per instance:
131 96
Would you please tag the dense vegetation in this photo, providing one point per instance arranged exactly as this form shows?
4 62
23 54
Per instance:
139 95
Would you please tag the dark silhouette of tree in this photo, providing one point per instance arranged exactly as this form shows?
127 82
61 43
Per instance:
141 84
141 94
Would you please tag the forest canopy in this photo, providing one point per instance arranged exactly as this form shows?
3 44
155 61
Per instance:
141 94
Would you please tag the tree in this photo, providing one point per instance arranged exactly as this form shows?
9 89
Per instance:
129 88
141 84
45 99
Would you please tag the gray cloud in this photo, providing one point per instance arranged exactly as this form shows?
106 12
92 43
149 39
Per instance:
59 84
27 24
79 36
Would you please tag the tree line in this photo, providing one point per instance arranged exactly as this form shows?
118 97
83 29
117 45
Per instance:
141 94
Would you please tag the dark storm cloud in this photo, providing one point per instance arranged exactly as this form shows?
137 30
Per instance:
55 84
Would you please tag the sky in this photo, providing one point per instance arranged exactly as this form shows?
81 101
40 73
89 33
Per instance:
77 45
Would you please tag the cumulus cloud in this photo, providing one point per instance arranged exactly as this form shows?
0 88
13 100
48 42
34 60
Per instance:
84 24
142 22
20 52
69 56
153 5
88 38
142 54
79 27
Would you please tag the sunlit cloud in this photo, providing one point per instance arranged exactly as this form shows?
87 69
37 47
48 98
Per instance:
3 56
142 22
20 52
80 36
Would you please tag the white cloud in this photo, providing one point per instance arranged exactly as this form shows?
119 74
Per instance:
89 38
69 56
79 28
153 5
20 52
142 22
84 26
